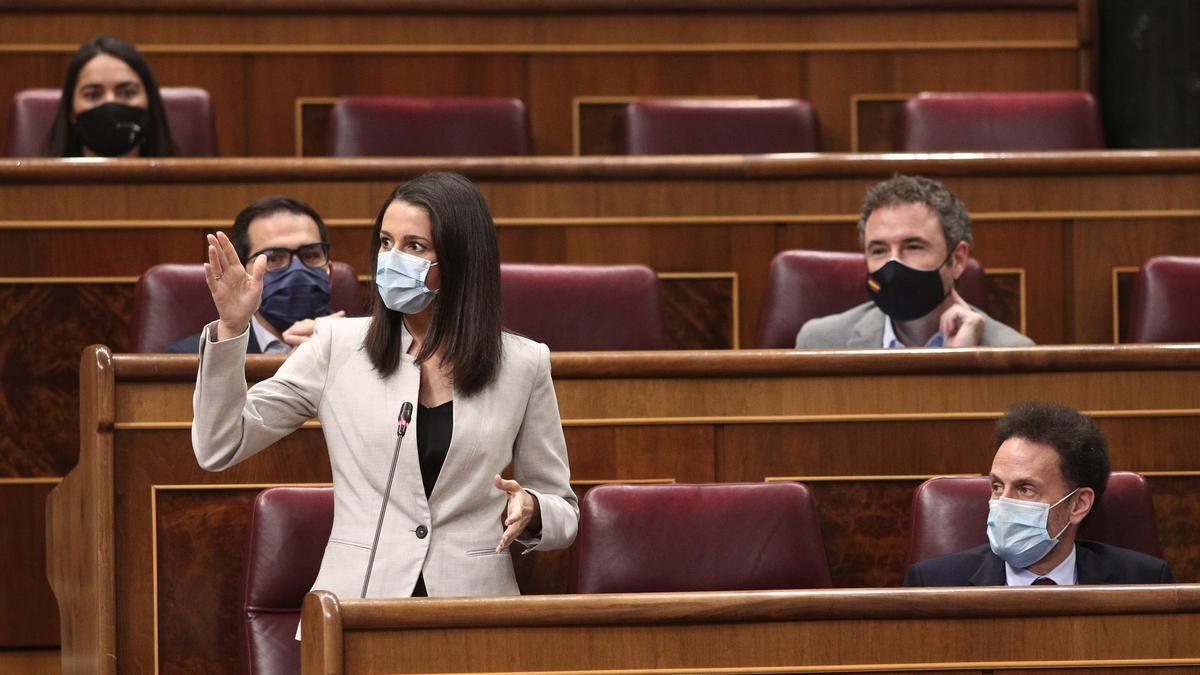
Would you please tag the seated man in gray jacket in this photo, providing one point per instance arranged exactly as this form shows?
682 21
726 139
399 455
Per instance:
917 238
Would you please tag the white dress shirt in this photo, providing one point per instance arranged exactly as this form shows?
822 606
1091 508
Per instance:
267 342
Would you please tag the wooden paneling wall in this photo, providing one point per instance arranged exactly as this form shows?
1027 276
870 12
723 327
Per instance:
860 428
256 62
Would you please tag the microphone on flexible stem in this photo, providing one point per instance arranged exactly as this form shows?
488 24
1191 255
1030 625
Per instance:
402 421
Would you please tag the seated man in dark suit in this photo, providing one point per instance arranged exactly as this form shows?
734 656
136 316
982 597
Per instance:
296 288
917 238
1050 468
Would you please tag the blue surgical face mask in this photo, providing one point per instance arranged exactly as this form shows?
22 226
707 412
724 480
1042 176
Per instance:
1017 529
400 278
294 293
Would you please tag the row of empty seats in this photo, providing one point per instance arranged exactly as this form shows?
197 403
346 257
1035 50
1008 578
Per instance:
399 126
617 307
663 538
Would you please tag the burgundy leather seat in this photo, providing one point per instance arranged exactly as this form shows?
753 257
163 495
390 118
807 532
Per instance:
694 127
999 121
583 307
1163 307
172 301
189 113
288 532
806 285
719 537
950 514
403 126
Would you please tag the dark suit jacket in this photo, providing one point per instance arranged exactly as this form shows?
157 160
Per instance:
191 345
1095 563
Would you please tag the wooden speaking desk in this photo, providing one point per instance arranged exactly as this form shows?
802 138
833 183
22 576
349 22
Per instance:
927 630
146 550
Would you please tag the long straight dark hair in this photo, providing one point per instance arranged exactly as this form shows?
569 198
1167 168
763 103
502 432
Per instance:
465 325
64 142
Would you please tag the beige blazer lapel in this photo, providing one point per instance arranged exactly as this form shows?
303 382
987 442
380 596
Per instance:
404 386
464 441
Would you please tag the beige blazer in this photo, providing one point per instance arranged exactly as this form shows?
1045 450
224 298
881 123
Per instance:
515 420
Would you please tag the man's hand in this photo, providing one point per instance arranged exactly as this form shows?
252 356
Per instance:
523 512
302 330
962 326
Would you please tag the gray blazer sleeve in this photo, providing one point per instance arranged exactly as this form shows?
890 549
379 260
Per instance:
231 423
540 462
812 336
834 331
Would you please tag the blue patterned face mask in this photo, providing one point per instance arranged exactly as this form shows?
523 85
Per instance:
400 278
1017 529
294 293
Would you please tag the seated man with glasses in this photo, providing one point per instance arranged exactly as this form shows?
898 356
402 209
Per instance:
296 287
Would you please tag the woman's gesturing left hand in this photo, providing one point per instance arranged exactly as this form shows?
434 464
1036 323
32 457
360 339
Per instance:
523 512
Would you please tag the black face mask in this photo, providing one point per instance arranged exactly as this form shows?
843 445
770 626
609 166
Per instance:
112 129
905 293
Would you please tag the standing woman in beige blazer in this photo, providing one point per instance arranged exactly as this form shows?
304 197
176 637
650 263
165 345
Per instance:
483 400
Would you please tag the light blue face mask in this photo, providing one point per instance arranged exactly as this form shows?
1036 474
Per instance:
1017 529
400 278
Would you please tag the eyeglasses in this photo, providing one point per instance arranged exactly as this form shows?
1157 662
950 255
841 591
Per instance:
312 255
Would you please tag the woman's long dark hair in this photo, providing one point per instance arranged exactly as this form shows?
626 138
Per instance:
465 325
64 142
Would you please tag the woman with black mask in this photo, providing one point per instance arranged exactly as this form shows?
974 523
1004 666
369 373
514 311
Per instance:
111 105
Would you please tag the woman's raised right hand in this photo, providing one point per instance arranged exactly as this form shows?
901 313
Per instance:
236 292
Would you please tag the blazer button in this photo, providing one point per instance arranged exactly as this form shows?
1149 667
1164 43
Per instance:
422 532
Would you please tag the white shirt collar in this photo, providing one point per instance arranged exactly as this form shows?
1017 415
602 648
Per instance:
890 341
1063 575
267 342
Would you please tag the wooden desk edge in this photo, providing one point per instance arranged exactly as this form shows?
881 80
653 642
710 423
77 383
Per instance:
549 6
771 362
718 607
564 168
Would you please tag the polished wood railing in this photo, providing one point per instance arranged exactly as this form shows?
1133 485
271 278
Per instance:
925 630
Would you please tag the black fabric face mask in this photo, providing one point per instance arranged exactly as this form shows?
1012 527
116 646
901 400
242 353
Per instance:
905 293
112 129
